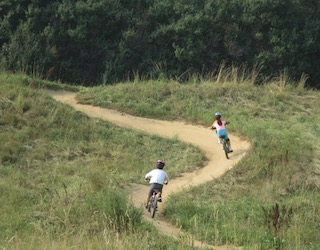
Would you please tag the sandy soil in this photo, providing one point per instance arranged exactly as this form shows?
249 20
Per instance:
197 135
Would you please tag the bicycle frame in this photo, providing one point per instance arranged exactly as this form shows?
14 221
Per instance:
153 204
224 143
225 146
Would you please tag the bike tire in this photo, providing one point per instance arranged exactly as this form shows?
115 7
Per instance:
226 148
153 208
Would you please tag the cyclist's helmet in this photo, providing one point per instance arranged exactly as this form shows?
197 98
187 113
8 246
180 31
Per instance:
160 164
218 115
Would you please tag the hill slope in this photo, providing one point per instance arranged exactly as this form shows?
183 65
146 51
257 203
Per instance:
197 135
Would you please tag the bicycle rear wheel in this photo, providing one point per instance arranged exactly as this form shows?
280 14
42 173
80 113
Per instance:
226 148
153 208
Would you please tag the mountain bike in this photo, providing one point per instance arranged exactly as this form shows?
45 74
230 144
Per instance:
153 203
225 146
223 142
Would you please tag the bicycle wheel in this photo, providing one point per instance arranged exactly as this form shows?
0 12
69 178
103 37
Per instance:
225 148
153 208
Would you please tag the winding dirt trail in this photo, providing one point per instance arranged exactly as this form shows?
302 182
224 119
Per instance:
197 135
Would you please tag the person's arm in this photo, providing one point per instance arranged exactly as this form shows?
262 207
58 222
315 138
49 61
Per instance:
166 181
148 176
212 126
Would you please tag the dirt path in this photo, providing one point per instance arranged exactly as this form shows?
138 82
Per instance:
197 135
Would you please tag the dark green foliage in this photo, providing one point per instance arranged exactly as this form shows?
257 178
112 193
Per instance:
104 41
277 218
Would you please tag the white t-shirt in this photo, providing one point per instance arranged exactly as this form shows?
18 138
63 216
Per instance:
157 176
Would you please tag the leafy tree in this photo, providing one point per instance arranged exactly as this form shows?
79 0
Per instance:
105 41
23 47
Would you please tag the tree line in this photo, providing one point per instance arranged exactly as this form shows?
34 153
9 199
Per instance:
92 42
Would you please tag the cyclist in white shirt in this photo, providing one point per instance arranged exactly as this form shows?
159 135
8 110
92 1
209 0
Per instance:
157 177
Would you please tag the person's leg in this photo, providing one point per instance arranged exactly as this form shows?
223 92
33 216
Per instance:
149 194
219 138
225 133
229 145
220 134
160 196
159 188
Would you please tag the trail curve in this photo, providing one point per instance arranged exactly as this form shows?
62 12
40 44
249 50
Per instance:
197 135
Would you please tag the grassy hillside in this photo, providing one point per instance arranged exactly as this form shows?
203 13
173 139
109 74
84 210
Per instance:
58 165
271 199
61 175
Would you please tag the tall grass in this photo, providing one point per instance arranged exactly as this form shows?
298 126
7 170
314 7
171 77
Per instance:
58 165
280 174
61 175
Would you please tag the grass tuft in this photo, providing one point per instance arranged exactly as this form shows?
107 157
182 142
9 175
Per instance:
61 171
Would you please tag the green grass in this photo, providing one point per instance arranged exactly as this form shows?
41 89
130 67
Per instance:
58 165
283 167
61 175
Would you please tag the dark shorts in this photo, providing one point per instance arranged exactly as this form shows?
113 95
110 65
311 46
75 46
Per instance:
155 186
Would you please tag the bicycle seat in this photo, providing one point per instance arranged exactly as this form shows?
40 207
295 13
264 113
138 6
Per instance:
156 191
